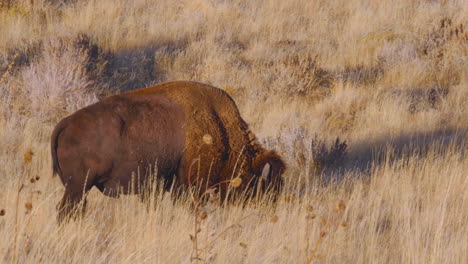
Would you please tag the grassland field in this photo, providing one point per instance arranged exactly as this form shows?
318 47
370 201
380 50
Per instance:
388 78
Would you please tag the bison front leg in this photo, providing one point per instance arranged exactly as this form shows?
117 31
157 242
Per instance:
73 203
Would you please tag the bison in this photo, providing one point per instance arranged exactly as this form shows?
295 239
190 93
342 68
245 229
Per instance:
191 132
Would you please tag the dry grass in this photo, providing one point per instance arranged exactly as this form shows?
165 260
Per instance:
388 78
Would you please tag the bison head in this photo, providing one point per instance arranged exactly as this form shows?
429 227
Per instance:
268 167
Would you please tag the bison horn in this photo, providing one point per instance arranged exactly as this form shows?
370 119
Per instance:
265 172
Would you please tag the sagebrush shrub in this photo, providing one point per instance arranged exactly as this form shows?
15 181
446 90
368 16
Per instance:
326 155
57 83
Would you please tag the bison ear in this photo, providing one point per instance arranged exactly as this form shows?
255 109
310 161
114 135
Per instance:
266 172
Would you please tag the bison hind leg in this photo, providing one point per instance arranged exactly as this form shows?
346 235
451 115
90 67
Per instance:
112 190
72 205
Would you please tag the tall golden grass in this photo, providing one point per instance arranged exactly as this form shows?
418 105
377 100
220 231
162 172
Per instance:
388 78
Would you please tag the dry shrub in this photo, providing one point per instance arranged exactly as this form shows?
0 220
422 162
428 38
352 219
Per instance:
296 75
306 77
446 49
57 82
342 120
439 40
327 155
318 153
360 74
97 60
115 72
128 70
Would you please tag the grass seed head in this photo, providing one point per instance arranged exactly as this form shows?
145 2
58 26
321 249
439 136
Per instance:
202 214
274 219
289 198
310 217
341 205
323 220
28 206
27 157
236 182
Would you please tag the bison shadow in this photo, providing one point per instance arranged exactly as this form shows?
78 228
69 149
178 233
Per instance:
129 69
366 154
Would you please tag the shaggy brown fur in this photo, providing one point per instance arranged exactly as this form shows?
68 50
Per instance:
103 144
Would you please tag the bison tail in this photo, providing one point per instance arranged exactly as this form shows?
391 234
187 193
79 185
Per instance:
53 147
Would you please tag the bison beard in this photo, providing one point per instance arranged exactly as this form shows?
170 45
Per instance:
172 125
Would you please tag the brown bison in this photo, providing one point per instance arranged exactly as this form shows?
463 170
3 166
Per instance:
191 132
